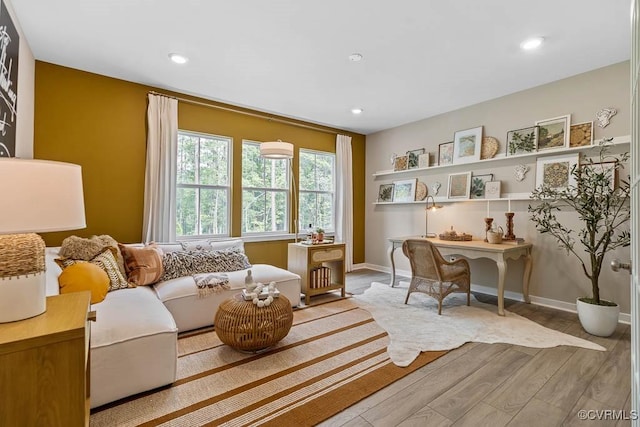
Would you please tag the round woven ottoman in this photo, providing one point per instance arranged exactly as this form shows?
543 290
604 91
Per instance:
244 326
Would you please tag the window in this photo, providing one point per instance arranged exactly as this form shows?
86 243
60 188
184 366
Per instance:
317 190
265 192
202 187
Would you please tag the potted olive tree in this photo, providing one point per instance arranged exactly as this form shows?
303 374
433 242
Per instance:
603 207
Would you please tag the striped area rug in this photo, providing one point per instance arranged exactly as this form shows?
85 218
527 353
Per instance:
334 356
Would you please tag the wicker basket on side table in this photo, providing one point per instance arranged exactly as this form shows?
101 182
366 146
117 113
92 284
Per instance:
244 326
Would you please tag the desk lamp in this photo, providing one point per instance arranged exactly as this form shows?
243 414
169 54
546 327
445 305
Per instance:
428 208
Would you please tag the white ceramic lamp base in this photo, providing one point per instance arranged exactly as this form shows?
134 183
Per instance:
22 297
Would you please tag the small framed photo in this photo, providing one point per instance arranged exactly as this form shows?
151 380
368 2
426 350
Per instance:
412 158
555 172
405 190
400 163
492 190
423 160
553 133
581 134
467 145
459 185
385 193
607 169
522 141
445 153
478 183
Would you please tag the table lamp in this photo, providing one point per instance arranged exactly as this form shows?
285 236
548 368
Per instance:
37 196
428 208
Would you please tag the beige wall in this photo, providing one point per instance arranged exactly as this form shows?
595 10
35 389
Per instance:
555 276
26 72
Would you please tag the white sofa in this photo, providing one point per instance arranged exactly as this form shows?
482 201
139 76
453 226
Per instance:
134 339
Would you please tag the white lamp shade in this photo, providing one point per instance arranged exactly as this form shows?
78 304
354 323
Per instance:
276 150
40 196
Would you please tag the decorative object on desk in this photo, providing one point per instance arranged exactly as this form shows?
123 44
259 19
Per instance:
405 190
433 207
435 187
385 193
37 196
492 189
423 160
445 153
249 284
319 234
520 172
509 235
553 133
477 185
487 225
459 185
522 141
495 235
280 150
421 191
412 158
602 227
453 235
603 116
467 145
400 163
490 147
555 172
581 134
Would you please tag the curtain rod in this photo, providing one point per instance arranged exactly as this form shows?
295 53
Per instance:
246 113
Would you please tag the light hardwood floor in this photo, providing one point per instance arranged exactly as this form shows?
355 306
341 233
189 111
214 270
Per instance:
499 384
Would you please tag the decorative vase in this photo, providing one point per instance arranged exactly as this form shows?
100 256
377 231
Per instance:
599 320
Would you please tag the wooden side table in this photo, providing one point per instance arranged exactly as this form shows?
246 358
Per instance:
44 365
320 267
246 327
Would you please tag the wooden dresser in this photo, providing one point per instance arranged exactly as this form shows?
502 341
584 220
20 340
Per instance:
320 267
44 365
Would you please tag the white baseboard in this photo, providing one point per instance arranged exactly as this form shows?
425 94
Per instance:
516 296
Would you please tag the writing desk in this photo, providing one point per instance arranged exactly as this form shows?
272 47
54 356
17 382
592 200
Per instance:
473 249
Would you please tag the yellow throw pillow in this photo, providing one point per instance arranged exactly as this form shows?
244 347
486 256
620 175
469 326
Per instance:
84 276
106 260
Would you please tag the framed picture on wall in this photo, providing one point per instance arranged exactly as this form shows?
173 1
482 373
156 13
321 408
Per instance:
553 133
445 153
555 172
467 145
400 163
385 193
459 185
581 134
423 160
478 183
405 190
492 190
412 158
522 141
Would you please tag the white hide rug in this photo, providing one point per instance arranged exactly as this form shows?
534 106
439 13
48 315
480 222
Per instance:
417 327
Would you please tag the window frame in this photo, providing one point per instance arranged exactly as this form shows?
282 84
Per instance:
198 187
331 230
286 191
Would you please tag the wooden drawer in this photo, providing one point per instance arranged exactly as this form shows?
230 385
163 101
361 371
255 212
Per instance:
323 255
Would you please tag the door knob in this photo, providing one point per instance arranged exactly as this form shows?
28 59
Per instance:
616 265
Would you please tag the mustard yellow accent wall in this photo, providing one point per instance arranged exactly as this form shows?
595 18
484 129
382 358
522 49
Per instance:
100 123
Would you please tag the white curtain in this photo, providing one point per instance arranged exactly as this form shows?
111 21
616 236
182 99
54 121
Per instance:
159 222
344 197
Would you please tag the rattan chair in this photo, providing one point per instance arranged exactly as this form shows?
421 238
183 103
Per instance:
433 275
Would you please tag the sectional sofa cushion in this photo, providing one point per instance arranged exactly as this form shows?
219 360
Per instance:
143 265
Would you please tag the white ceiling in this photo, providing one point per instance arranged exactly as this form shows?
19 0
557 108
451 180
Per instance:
290 57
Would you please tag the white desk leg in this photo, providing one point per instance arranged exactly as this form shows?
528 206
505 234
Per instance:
393 264
502 273
527 275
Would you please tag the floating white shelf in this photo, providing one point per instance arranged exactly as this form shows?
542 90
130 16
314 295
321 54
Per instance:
444 199
620 140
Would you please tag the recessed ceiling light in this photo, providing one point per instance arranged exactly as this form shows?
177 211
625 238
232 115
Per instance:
532 43
178 59
355 57
357 110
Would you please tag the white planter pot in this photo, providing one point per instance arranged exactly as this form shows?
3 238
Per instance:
600 320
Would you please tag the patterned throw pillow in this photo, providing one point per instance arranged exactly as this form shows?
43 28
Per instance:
179 264
106 260
196 245
143 265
